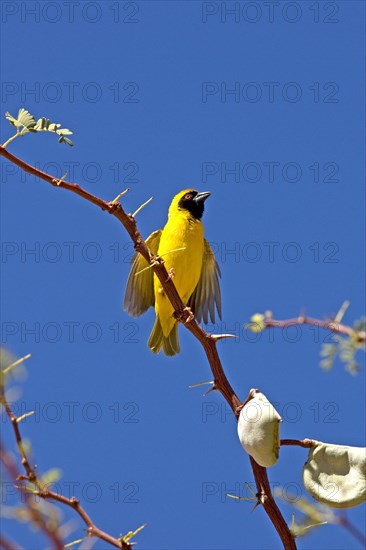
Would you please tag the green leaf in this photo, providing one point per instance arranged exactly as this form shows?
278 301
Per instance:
64 132
51 476
68 141
11 119
25 122
44 124
26 119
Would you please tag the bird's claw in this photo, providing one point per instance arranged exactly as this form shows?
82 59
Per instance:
171 274
190 315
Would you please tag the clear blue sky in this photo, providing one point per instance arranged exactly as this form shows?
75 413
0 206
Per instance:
162 96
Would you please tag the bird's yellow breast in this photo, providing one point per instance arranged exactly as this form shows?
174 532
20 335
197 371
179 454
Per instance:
181 232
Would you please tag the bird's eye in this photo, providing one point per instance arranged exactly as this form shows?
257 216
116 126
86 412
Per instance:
188 196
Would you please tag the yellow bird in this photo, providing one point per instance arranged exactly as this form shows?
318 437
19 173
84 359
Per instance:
189 259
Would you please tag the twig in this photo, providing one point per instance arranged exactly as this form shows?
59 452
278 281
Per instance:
327 324
7 544
51 533
141 207
344 521
208 343
217 337
307 443
17 362
120 195
14 422
11 138
47 494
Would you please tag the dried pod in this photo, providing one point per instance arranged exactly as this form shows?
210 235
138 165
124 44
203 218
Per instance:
258 429
336 474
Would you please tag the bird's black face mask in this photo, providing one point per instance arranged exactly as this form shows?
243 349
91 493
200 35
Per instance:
194 202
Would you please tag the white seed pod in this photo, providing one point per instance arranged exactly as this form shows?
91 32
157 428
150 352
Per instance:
336 474
258 429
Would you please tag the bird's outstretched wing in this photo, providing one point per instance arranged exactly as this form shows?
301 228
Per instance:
207 293
139 293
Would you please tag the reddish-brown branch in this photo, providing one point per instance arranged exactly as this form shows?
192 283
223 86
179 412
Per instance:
50 532
46 494
14 421
208 343
327 324
92 530
7 544
307 443
344 521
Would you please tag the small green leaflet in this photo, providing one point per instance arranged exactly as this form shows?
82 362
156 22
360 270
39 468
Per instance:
28 123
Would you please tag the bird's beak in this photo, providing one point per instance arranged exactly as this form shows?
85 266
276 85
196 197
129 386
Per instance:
201 197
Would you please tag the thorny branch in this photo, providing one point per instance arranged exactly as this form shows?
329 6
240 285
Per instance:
328 324
207 341
44 492
7 544
49 531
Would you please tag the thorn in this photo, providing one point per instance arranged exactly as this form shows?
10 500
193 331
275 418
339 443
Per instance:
240 498
120 195
25 415
342 310
141 207
9 367
61 179
70 544
221 336
142 270
126 538
255 495
200 384
256 504
153 262
174 250
214 388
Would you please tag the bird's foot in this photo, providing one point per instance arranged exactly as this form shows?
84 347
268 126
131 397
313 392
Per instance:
180 315
171 274
190 314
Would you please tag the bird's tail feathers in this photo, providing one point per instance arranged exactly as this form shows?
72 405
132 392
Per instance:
157 340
